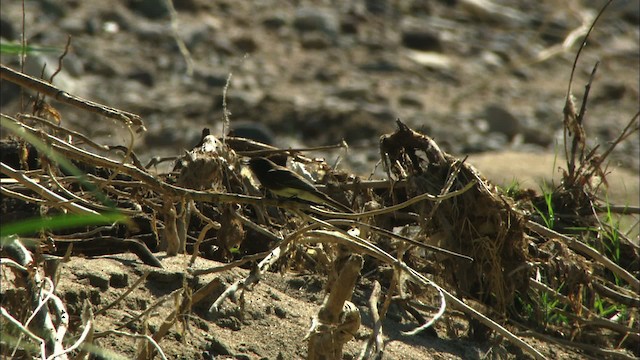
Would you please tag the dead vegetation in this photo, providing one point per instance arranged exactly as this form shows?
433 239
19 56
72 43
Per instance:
435 235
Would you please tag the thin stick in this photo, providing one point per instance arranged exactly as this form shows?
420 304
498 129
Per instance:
52 91
586 250
129 290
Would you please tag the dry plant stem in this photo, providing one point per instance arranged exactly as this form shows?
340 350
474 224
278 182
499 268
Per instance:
121 297
586 250
579 140
210 225
168 322
626 132
605 354
23 329
537 285
157 160
271 150
259 229
16 195
124 183
172 191
253 277
63 320
11 263
568 42
426 282
583 45
44 192
71 195
60 58
594 320
282 247
571 118
186 304
44 323
184 51
229 266
619 209
196 246
374 346
87 318
167 190
64 97
326 340
151 307
64 130
633 301
88 327
264 265
170 233
399 237
390 209
457 165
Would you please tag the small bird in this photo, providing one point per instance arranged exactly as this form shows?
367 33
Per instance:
285 183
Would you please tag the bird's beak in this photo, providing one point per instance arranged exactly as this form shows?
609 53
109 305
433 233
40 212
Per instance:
244 161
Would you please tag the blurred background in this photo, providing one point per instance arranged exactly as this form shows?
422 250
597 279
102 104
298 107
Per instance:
483 78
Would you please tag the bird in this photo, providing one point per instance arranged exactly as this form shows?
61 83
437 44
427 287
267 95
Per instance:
286 183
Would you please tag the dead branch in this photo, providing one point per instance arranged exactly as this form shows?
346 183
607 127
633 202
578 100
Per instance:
64 97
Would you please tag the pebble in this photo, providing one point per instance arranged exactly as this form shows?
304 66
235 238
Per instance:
316 19
421 39
274 22
151 9
502 121
315 40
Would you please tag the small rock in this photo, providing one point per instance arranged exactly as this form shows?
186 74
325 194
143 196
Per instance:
381 65
274 22
119 280
421 39
71 24
142 76
218 347
245 44
231 323
377 7
223 45
99 280
280 312
609 92
349 25
354 93
410 101
170 280
315 40
501 121
316 19
537 136
252 130
151 9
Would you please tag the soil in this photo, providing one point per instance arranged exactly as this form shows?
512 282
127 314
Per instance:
481 78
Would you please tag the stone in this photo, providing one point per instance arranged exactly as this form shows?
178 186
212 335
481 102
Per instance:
316 19
421 39
501 120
